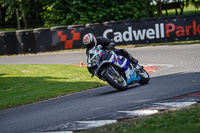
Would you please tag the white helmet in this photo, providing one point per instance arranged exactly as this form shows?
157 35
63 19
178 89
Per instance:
89 40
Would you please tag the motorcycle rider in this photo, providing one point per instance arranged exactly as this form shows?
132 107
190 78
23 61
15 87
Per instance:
89 40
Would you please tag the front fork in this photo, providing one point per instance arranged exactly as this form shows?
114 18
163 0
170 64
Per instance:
110 69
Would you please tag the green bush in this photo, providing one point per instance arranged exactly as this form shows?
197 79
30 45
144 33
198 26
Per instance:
67 12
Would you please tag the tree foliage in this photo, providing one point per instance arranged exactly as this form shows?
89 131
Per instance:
66 12
27 9
195 3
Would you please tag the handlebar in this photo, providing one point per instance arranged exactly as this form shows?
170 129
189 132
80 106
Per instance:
99 46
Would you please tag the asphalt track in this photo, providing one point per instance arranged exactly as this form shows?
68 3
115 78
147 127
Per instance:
179 74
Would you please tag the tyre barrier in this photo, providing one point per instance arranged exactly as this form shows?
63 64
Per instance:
111 23
2 48
44 39
9 43
56 41
27 41
76 26
92 25
132 31
129 21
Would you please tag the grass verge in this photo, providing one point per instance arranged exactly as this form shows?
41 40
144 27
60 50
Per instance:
185 120
23 84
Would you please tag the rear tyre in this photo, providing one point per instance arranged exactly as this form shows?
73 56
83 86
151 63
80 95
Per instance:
115 80
144 77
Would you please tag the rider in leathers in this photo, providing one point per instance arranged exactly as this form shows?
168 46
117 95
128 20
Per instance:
89 40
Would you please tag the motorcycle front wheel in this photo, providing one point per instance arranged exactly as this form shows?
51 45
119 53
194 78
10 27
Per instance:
144 77
115 80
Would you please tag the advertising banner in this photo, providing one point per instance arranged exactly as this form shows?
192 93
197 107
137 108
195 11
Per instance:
152 31
144 31
139 31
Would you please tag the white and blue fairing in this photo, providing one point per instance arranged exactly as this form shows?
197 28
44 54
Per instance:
120 62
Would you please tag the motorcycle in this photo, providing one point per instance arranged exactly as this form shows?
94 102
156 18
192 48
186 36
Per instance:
117 70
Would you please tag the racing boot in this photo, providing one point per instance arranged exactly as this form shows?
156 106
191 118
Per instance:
124 53
135 63
132 60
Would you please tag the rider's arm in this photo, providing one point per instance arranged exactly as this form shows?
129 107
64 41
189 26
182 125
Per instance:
106 43
90 70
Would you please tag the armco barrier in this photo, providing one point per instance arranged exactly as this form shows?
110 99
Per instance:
43 38
27 40
9 43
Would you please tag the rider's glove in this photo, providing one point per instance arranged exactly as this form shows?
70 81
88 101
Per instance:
111 46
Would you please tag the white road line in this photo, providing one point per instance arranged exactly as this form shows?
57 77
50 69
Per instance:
176 104
56 132
140 112
96 123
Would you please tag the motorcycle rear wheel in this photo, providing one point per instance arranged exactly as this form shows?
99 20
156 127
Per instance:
115 81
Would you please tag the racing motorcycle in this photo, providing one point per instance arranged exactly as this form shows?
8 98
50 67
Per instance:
117 70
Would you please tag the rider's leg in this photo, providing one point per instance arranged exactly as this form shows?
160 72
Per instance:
124 53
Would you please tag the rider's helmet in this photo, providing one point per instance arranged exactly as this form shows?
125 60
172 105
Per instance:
89 40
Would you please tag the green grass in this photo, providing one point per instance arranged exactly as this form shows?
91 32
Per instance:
186 11
23 84
8 29
190 10
186 120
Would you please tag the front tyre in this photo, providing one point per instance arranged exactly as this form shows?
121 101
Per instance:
144 77
115 80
